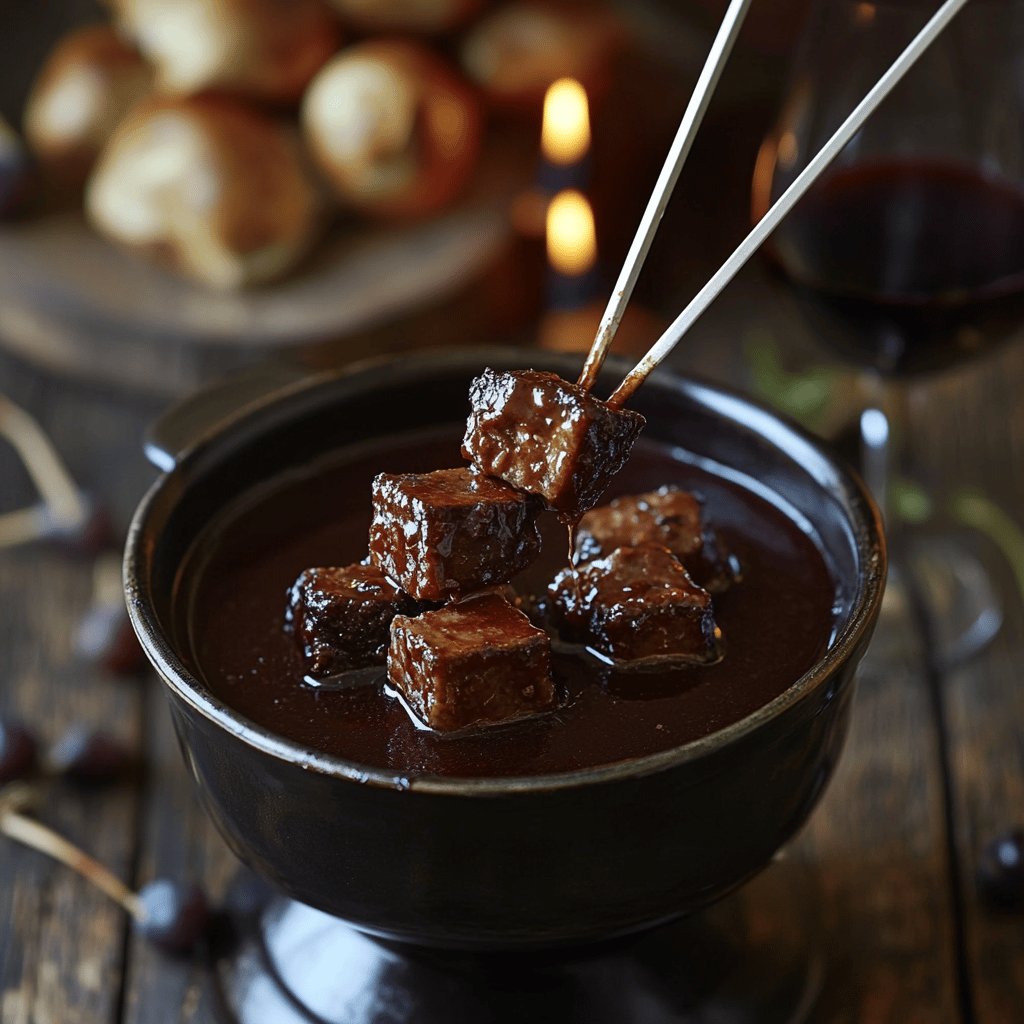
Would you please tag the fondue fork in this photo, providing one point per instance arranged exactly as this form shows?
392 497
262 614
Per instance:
764 227
677 154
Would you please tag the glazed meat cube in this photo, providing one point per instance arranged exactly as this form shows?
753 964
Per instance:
637 604
547 437
475 662
669 517
450 532
341 617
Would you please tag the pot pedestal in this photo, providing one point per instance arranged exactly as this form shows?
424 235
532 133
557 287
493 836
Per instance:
756 956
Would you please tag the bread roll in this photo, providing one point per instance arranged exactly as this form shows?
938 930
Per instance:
266 49
210 187
84 89
394 129
514 54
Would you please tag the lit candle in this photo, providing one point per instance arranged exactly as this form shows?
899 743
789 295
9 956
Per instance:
565 137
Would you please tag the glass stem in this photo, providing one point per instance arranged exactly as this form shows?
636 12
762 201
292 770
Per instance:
883 424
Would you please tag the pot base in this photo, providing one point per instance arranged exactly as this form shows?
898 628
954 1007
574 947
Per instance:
753 957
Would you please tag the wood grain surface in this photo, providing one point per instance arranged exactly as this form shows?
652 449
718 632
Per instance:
978 425
875 846
62 944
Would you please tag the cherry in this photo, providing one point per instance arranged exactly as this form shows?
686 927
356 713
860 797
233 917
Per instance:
172 917
104 636
88 536
85 755
1000 870
18 752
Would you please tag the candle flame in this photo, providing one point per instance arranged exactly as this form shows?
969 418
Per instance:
571 238
565 134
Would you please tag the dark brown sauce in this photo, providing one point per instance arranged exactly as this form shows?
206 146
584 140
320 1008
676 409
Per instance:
776 624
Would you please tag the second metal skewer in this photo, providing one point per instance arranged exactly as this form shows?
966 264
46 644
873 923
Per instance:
677 154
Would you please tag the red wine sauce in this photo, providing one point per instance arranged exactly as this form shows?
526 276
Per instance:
231 598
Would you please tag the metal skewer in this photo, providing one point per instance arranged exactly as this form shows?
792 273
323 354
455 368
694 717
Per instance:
786 201
677 154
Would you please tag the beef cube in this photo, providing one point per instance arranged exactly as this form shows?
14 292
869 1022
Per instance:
635 605
450 532
547 437
670 517
475 662
341 617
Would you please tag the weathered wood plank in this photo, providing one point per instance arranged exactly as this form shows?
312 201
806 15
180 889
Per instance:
986 717
61 942
972 434
179 842
875 848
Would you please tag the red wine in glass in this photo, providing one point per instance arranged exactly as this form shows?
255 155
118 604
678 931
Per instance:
923 259
908 257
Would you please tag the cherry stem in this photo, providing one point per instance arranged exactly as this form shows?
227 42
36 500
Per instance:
38 836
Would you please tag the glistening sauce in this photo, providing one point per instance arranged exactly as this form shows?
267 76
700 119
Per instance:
776 623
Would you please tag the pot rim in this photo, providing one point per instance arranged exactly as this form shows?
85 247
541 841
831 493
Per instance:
867 533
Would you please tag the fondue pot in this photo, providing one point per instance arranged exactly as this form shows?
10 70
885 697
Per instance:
481 865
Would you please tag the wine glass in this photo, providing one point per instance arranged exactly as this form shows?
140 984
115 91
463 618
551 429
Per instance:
907 255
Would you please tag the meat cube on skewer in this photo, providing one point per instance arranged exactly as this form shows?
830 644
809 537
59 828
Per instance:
670 517
475 662
636 605
341 617
451 532
547 437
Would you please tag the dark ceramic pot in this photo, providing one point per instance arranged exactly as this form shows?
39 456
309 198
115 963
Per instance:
505 863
